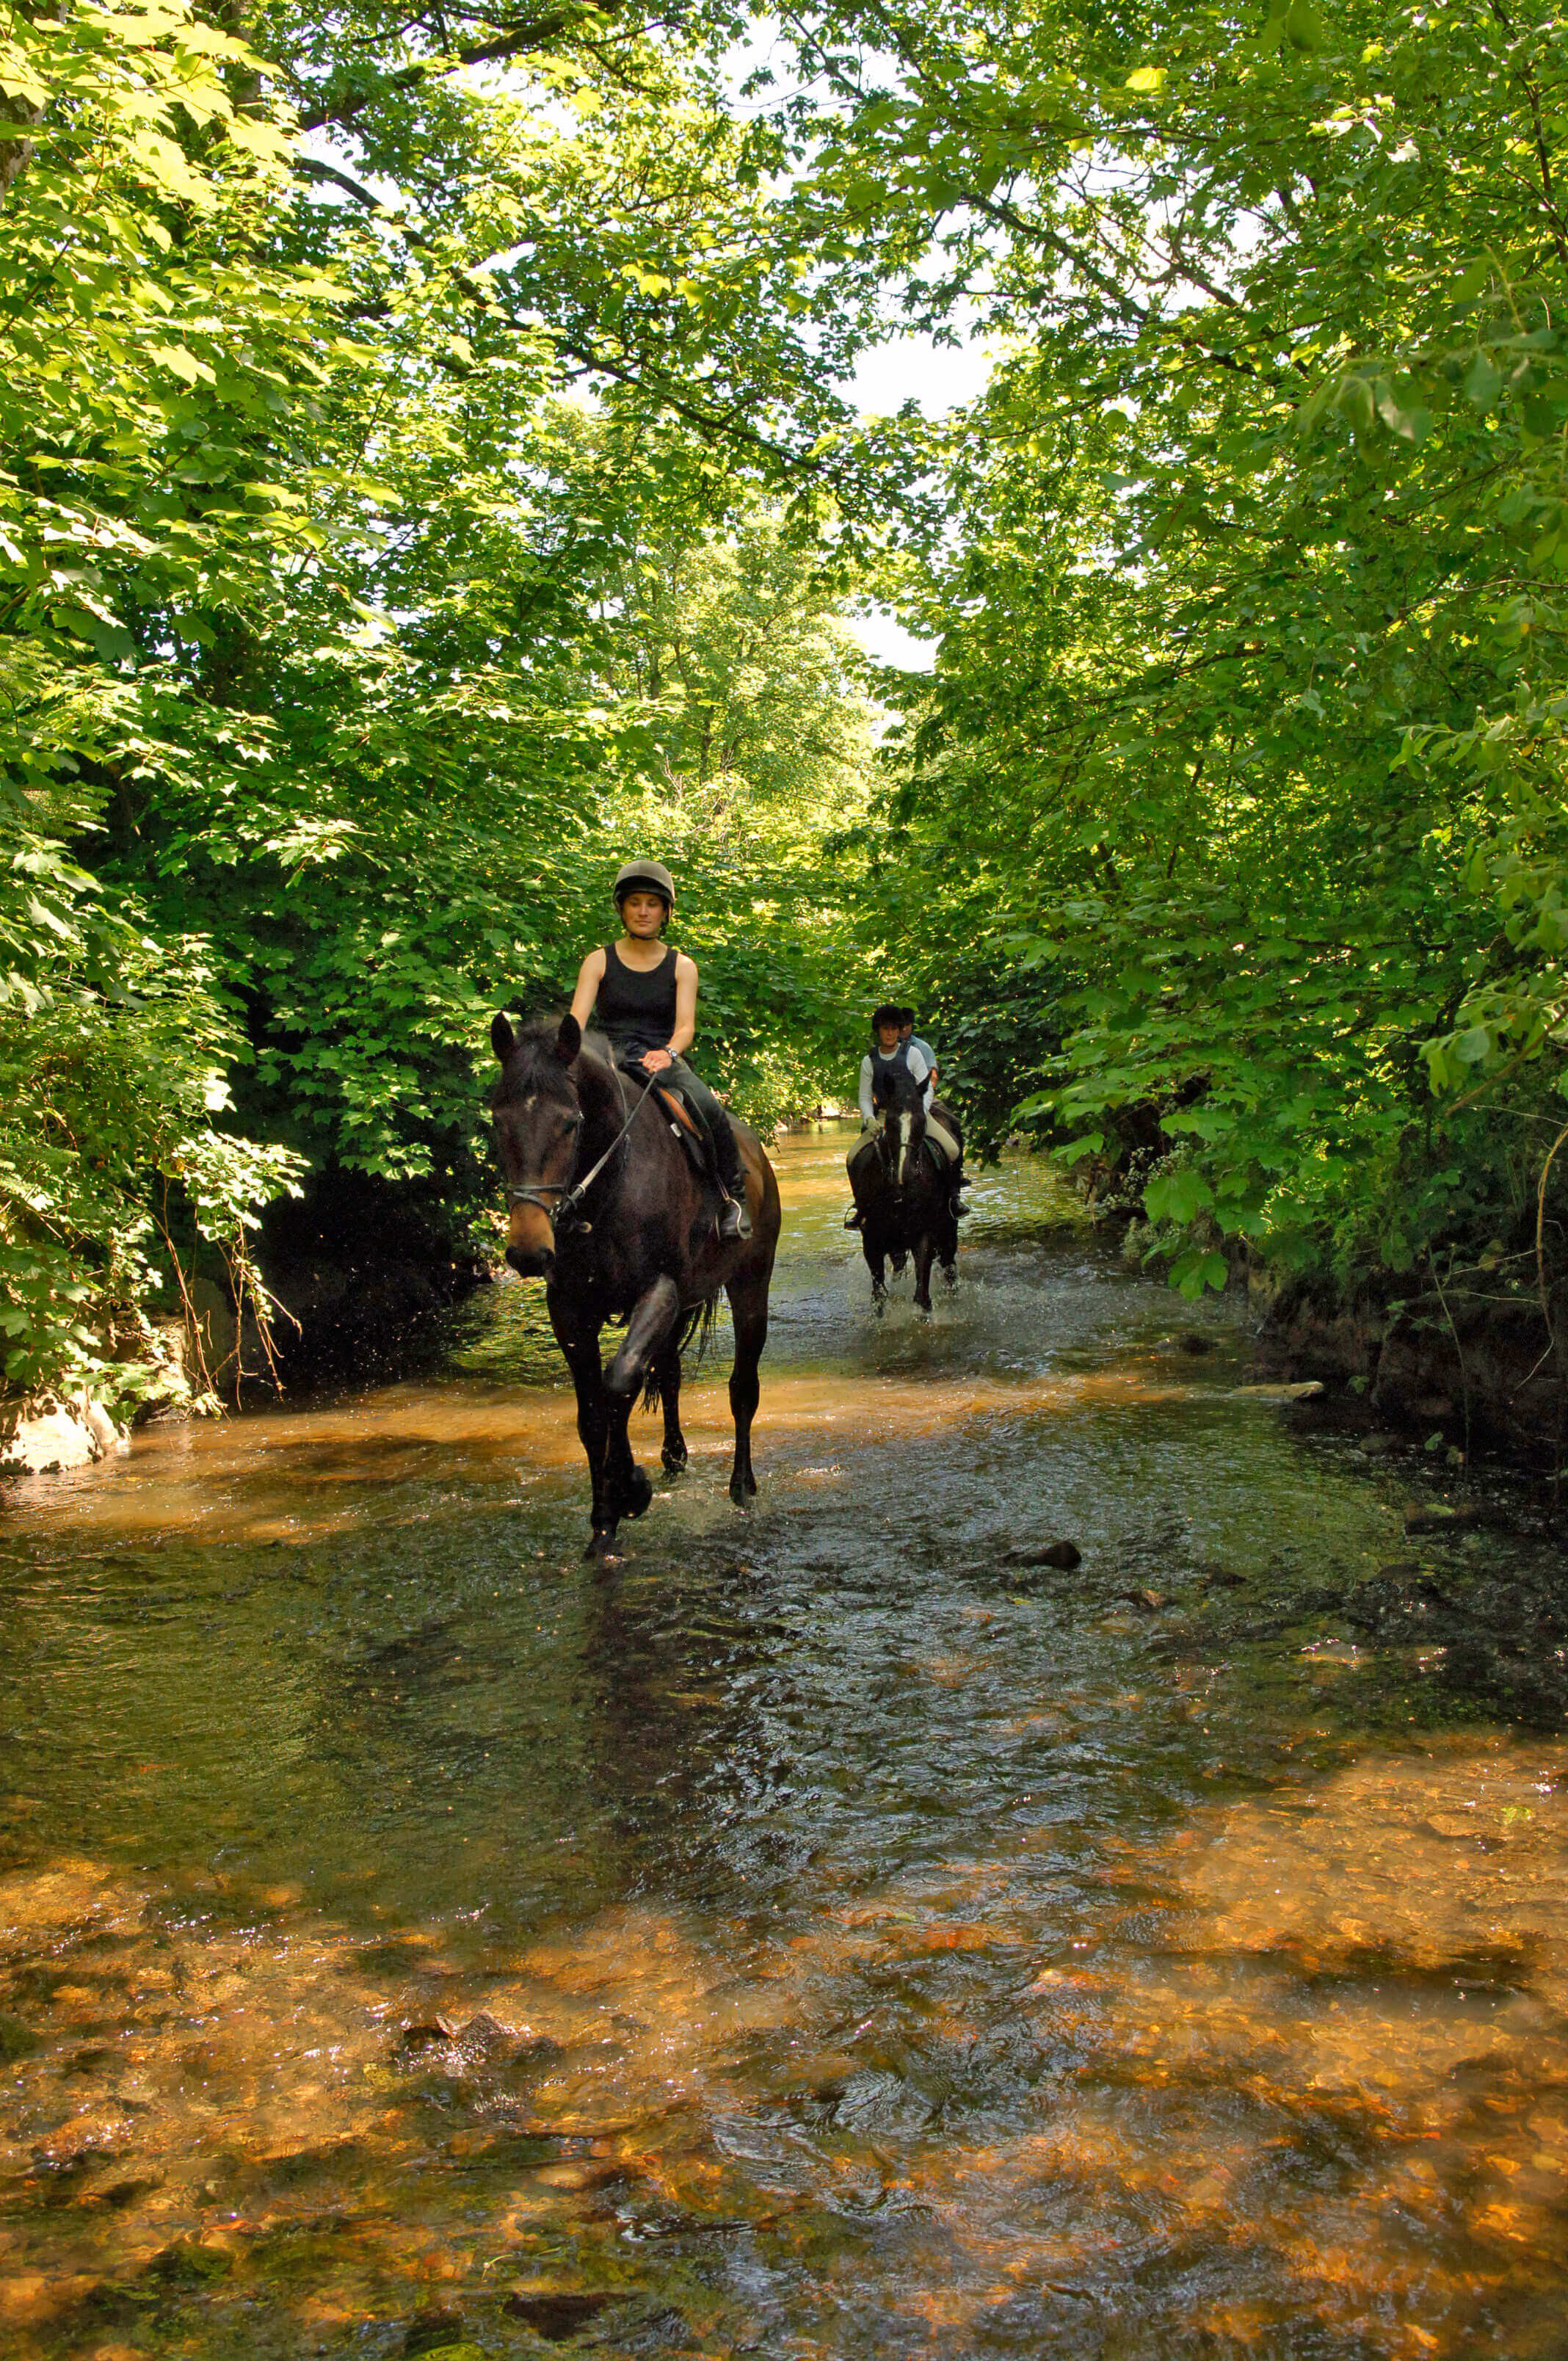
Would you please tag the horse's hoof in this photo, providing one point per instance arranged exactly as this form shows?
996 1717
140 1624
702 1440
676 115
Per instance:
636 1493
675 1461
601 1547
742 1490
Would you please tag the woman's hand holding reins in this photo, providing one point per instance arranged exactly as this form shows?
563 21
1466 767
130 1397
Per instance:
655 1060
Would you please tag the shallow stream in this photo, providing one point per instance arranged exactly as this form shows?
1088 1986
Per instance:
813 1935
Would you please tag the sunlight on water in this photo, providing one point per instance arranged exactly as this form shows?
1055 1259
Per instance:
817 1934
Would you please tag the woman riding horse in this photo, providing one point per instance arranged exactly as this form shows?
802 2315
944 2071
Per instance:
607 1209
641 995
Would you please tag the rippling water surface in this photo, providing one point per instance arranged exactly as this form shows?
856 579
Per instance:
812 1935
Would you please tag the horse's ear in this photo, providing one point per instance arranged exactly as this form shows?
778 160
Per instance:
569 1039
503 1040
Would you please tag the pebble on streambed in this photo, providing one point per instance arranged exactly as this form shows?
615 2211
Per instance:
1468 1517
1063 1555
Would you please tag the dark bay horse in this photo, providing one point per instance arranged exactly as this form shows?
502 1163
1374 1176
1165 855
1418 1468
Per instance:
607 1209
903 1190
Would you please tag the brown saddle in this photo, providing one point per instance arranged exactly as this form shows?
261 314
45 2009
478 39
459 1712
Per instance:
692 1134
676 1108
688 1127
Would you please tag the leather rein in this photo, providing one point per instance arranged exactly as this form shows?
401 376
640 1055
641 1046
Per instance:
571 1193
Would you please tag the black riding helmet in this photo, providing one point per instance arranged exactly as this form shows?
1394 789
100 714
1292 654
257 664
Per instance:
650 876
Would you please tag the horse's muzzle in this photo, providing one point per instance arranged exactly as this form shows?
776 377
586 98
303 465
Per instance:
531 1262
530 1240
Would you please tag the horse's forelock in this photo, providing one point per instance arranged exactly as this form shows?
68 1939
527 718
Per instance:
533 1067
899 1092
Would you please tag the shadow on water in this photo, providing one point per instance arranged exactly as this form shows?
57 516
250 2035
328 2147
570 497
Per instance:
813 1935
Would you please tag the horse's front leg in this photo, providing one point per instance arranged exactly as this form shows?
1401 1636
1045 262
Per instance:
648 1332
581 1344
925 1254
749 1312
876 1263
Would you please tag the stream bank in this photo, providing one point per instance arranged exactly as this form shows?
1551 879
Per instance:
359 1277
1485 1373
1474 1364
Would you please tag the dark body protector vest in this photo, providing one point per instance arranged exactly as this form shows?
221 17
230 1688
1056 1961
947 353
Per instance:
899 1060
636 1009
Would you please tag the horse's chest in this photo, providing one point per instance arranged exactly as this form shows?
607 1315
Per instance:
624 1271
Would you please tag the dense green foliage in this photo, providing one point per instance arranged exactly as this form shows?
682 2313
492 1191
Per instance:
424 476
352 647
1246 736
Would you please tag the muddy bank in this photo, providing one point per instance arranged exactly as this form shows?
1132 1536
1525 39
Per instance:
358 1279
1470 1357
1481 1370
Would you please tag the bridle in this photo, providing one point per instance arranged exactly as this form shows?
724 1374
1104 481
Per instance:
539 1192
571 1193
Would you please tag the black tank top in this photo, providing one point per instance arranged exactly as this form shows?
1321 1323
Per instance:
637 1009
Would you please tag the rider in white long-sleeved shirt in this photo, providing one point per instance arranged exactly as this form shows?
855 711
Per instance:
890 1049
919 1070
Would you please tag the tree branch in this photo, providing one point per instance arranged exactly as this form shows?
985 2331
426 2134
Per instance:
523 39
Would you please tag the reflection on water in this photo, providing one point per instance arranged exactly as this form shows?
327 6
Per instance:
814 1935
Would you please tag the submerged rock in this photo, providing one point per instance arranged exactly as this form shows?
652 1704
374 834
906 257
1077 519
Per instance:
190 2263
1468 1518
438 2330
558 2312
1063 1555
16 2039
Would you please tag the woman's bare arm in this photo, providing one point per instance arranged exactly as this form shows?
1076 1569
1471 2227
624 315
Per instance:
590 975
685 1033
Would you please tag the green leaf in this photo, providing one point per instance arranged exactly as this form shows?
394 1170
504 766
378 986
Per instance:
1473 280
1484 381
1178 1197
1194 1271
1304 27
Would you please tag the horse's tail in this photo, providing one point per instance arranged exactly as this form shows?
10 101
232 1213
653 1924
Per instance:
699 1323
